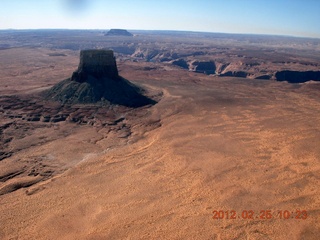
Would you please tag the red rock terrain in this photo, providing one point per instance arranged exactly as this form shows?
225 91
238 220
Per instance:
215 158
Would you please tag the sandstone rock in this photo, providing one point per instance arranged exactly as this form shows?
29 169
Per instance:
4 155
204 67
97 63
59 118
45 118
264 77
240 74
33 118
97 80
181 63
148 54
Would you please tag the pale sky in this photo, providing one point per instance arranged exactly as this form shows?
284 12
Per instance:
280 17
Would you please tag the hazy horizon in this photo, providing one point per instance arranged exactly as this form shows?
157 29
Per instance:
157 30
295 18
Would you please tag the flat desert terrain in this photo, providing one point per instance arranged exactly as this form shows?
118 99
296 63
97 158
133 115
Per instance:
218 157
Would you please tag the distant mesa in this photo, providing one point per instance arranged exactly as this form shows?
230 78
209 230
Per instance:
118 32
97 80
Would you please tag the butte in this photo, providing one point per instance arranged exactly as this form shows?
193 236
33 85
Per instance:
97 81
119 32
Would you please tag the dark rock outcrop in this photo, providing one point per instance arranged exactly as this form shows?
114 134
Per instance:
118 32
148 54
97 80
204 67
151 54
264 77
297 77
240 74
181 63
96 63
223 67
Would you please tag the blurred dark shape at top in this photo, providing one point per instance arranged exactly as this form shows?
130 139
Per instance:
77 6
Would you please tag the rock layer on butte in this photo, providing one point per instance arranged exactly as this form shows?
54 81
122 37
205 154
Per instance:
97 80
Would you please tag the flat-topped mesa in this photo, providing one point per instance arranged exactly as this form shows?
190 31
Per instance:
118 32
97 81
97 63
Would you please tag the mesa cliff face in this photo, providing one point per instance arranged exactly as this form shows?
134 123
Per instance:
207 67
97 63
97 80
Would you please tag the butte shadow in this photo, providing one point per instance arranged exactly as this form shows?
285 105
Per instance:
97 81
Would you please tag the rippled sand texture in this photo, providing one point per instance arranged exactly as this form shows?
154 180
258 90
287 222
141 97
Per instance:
224 144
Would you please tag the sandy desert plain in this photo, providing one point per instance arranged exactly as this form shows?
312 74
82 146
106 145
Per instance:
229 151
